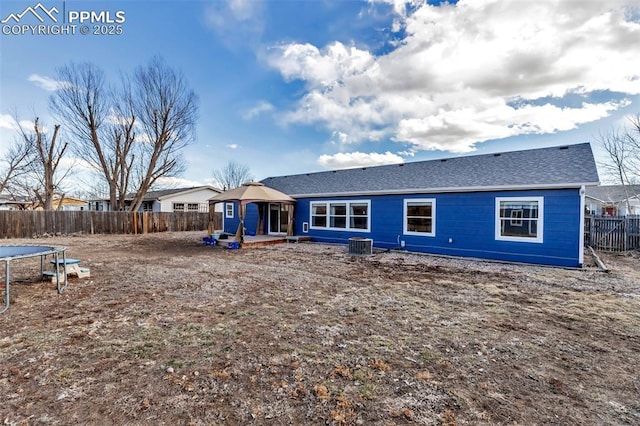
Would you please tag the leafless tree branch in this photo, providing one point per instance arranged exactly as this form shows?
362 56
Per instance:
232 175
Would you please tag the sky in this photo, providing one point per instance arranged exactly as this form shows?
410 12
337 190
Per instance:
288 87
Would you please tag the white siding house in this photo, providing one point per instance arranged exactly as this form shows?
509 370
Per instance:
613 200
193 199
187 200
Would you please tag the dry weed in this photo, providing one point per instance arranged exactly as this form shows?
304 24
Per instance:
342 371
380 365
321 392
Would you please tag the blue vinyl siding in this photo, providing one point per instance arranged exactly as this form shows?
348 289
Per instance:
250 221
468 220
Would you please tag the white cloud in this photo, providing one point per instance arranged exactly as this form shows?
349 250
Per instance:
470 72
259 108
242 10
358 159
233 146
236 22
46 83
7 122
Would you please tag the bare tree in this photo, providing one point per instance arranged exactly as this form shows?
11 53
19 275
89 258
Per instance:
82 103
623 151
232 175
15 162
102 122
132 134
44 177
167 111
122 140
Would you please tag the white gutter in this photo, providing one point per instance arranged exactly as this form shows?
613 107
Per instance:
581 240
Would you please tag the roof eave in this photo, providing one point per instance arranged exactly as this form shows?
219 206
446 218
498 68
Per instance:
186 191
447 190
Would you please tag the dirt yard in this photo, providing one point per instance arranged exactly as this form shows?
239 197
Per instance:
170 332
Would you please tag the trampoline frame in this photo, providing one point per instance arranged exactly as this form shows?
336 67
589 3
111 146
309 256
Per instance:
26 251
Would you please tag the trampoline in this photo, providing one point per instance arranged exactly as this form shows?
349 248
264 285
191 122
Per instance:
12 253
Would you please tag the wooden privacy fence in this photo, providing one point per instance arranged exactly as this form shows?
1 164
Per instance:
612 233
27 224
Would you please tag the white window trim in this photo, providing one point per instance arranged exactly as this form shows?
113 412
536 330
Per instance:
227 210
539 238
348 203
433 217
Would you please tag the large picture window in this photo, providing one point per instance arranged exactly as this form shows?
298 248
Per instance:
519 219
340 215
420 217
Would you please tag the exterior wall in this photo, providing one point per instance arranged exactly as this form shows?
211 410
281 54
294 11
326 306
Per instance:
74 207
632 208
250 221
200 197
98 205
465 225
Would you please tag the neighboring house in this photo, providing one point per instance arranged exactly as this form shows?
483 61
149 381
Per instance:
522 206
611 200
169 200
8 202
22 203
69 203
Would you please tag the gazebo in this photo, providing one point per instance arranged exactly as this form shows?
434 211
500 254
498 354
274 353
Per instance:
258 193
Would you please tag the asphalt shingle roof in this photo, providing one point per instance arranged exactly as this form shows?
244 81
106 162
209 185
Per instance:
569 165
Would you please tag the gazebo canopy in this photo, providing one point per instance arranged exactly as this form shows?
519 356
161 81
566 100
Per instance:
253 192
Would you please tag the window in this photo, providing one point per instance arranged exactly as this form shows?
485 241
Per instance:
359 215
228 210
420 217
519 219
193 207
178 207
340 215
318 215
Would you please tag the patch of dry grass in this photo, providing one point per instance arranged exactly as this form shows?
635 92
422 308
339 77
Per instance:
168 331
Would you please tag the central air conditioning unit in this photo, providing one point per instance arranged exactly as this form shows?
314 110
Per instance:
360 246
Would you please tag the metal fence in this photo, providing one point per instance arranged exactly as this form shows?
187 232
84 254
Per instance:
28 224
612 233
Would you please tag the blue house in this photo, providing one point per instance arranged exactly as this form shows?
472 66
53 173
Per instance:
521 206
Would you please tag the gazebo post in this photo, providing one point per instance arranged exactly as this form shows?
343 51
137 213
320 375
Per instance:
290 208
212 215
240 231
261 211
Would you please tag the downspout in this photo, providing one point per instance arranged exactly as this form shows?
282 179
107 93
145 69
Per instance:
581 239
